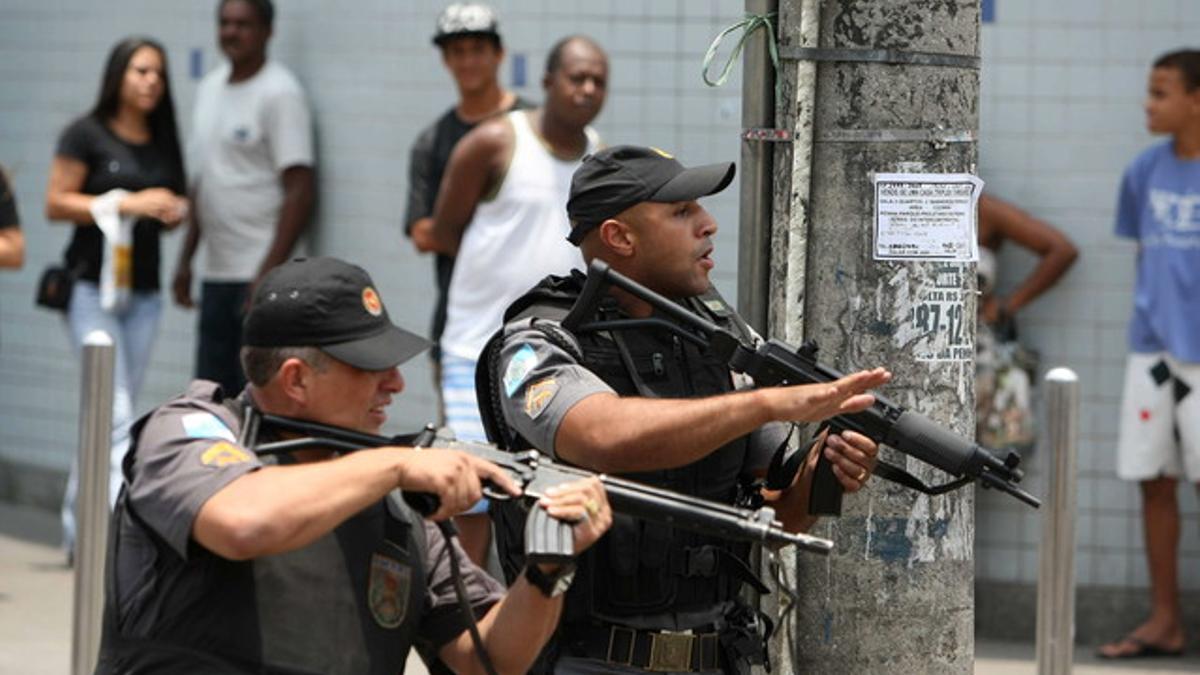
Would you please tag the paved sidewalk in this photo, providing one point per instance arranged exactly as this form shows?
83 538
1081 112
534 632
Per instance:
1016 658
35 595
35 613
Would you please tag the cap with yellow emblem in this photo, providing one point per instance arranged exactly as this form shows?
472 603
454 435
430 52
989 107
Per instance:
332 305
616 178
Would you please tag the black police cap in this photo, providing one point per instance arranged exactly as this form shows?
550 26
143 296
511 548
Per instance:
332 305
616 178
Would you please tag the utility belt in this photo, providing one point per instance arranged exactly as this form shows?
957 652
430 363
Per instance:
651 650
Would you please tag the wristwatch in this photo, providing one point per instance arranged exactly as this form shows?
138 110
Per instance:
551 585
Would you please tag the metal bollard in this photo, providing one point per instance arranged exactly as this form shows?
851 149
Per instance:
1056 575
91 504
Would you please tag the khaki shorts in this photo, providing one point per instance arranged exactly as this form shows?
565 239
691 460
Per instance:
1160 419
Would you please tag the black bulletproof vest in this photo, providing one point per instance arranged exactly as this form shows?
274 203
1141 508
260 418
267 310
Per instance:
639 568
350 602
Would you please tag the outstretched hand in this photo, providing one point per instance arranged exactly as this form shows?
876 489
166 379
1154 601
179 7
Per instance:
816 402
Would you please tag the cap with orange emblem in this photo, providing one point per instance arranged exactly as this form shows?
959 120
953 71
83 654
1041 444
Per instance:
332 305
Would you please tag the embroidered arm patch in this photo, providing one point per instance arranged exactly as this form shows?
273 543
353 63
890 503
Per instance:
206 425
518 367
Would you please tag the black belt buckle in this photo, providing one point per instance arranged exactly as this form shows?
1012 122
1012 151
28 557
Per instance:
612 642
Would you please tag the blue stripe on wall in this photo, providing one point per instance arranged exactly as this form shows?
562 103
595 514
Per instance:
196 63
518 70
989 11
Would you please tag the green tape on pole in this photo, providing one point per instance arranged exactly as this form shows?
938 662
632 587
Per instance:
748 24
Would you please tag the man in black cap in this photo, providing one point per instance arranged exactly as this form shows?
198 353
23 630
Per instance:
225 562
644 404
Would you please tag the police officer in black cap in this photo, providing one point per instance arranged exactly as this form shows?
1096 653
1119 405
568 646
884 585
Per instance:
646 405
225 562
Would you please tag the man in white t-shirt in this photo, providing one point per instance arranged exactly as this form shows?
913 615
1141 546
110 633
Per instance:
502 210
251 181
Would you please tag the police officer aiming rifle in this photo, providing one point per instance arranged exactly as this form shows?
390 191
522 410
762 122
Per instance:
309 562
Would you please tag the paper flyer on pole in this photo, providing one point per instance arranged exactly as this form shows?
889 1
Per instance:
926 216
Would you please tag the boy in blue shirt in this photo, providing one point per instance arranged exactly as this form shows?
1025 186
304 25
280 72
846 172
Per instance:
1159 441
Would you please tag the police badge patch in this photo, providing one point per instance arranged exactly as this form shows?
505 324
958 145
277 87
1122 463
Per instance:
388 589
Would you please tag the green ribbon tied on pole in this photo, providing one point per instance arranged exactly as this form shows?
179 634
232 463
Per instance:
748 24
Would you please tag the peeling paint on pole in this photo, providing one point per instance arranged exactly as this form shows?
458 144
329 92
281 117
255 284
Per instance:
897 594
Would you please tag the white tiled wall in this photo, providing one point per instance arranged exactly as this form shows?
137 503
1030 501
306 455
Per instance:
374 80
1062 85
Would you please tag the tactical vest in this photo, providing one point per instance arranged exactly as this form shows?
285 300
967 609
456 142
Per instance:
340 604
639 568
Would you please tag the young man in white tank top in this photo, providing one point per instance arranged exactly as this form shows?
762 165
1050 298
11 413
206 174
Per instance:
501 210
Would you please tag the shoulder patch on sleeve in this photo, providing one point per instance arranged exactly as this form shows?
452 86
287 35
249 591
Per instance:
206 425
223 454
518 367
538 396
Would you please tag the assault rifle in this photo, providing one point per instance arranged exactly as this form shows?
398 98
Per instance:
777 363
547 540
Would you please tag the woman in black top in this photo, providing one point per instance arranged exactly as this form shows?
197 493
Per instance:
128 142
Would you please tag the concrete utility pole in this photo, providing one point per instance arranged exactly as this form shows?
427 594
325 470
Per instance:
754 172
896 91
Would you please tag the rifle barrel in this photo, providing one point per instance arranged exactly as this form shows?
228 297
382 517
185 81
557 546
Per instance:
740 527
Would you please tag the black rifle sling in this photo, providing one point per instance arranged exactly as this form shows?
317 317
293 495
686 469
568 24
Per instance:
627 360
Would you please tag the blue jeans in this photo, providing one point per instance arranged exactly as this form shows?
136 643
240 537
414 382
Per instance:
218 348
132 331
